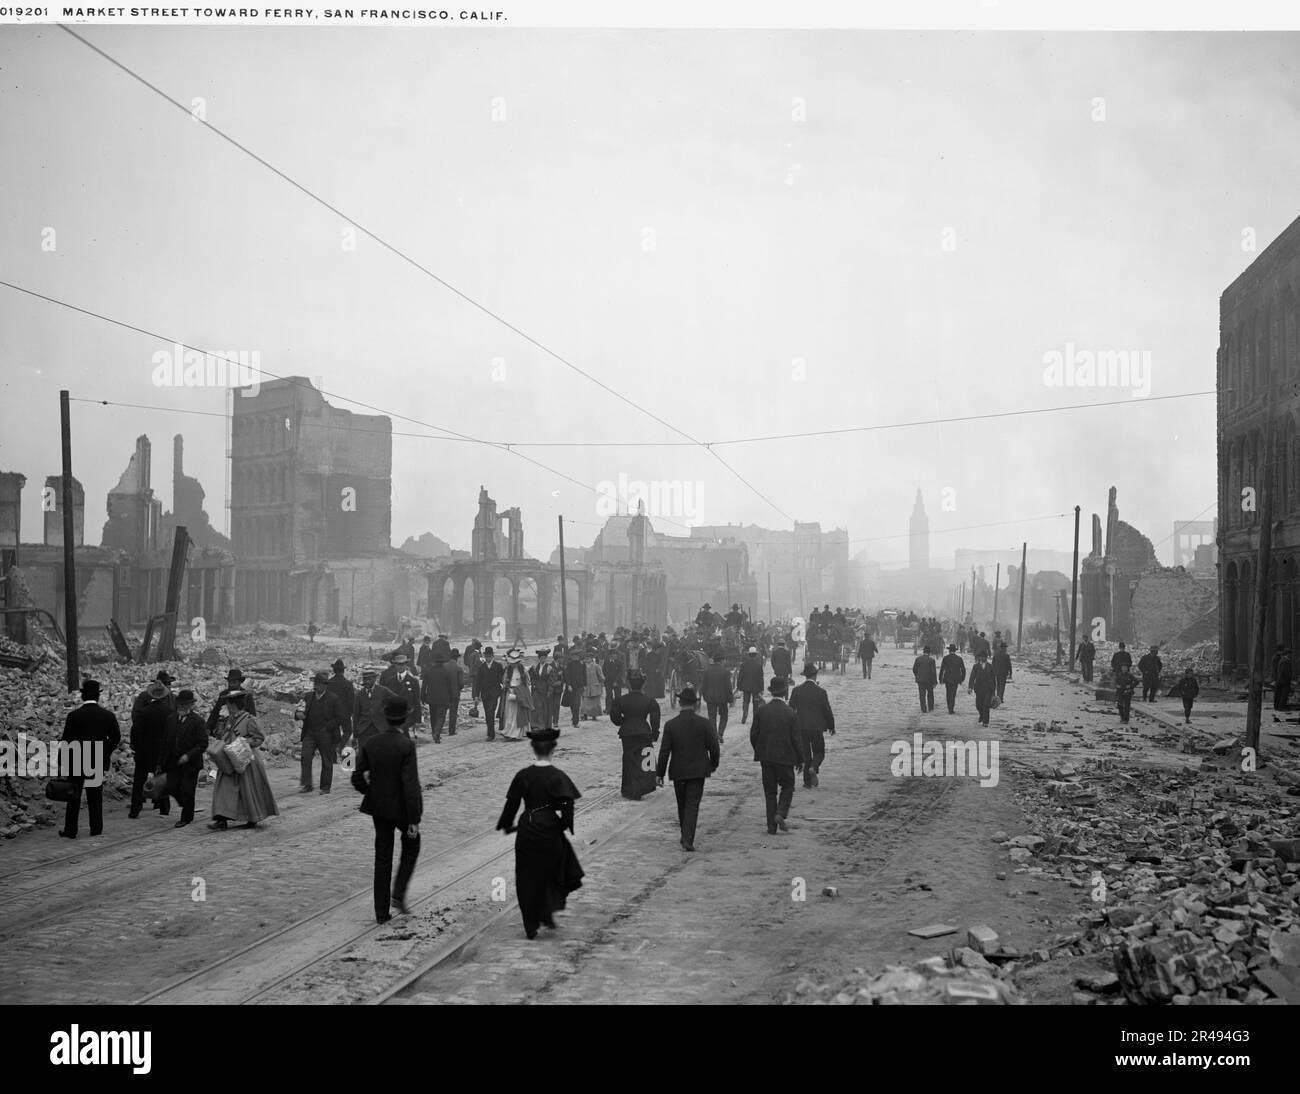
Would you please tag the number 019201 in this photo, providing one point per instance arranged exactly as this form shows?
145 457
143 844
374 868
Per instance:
24 11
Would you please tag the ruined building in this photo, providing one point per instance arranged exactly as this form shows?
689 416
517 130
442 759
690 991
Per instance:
1258 370
804 567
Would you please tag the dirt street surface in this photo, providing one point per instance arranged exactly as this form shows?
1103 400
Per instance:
284 913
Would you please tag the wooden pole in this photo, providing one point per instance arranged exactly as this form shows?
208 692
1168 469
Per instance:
728 586
1074 589
180 551
564 599
69 564
1020 621
770 617
997 580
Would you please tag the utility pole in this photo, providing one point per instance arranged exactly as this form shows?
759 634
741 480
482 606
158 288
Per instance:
1264 491
728 586
996 582
564 600
1058 630
770 617
1020 622
176 575
961 616
69 564
1074 589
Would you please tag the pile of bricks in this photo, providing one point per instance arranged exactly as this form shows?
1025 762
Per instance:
1192 874
963 978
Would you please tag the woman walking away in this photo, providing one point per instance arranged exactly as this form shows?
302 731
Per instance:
546 869
244 796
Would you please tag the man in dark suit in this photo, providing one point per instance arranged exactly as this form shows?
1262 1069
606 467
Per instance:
322 727
405 685
615 672
781 664
952 671
749 679
491 679
444 683
394 802
575 680
927 675
689 754
778 747
147 730
90 722
424 659
813 715
368 707
341 686
185 739
717 693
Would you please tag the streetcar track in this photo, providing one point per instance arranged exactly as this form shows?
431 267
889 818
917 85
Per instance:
228 959
150 855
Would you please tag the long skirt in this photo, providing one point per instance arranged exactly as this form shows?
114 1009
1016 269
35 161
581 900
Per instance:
246 797
592 706
638 767
654 683
514 718
546 872
543 715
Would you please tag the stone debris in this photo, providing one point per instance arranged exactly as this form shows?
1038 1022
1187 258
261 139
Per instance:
935 930
963 978
1191 872
981 939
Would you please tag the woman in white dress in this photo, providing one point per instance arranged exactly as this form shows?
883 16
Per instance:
516 698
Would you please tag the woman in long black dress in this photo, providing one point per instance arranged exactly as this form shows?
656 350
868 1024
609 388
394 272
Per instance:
546 869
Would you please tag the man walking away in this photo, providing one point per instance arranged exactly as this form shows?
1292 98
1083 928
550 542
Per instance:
1086 653
718 695
446 681
777 747
341 686
923 668
688 755
1120 658
1125 685
867 651
147 730
1001 669
814 717
782 666
749 679
613 669
952 671
983 685
575 680
392 798
322 725
1187 689
90 723
491 677
1149 668
180 759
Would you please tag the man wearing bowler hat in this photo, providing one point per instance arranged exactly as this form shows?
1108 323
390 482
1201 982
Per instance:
814 717
180 760
342 687
779 748
322 727
688 755
368 708
147 731
952 671
90 722
234 682
388 777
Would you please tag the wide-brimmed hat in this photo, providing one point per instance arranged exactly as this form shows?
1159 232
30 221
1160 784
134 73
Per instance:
156 690
369 670
544 652
515 656
338 664
400 659
543 734
752 649
165 677
321 677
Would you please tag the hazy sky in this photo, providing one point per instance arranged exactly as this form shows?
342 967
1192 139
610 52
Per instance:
651 206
